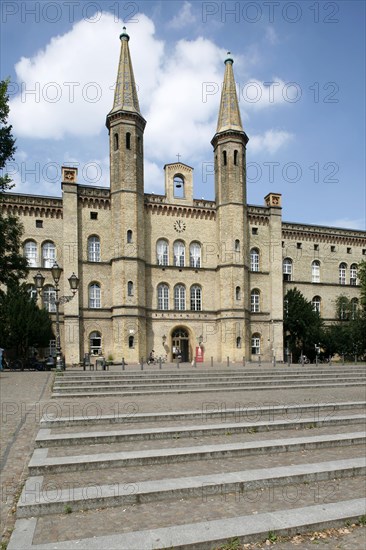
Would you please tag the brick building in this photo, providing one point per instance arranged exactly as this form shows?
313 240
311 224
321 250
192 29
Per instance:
169 271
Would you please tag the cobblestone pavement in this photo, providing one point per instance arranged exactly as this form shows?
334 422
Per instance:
25 398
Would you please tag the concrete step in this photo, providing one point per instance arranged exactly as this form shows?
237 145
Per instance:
210 410
40 463
36 500
100 391
207 534
203 378
46 439
205 382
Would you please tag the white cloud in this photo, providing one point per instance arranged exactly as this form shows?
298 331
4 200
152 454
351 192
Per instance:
271 141
271 35
72 81
179 92
183 18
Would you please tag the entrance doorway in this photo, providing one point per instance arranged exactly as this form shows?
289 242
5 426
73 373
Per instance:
180 344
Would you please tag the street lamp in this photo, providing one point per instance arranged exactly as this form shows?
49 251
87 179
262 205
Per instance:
39 280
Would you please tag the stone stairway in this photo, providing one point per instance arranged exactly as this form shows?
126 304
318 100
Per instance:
178 475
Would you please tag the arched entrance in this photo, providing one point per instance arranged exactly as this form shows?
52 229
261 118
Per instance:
180 344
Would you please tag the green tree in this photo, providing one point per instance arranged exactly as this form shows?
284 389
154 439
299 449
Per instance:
302 325
361 275
13 266
22 323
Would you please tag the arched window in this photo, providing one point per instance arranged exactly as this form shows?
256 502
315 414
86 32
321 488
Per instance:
179 253
196 298
130 288
316 302
256 344
237 293
224 158
354 308
238 342
163 296
353 275
235 157
162 252
342 273
128 140
115 142
131 342
49 298
178 186
30 252
237 245
95 343
129 236
94 296
180 297
195 255
94 249
48 254
255 301
315 271
254 259
287 269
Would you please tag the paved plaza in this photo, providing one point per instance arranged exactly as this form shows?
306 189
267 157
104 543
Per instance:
27 398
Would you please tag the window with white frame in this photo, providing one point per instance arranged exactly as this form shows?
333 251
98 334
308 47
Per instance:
48 254
255 301
162 253
32 291
49 298
254 259
256 344
287 269
315 271
342 273
195 255
94 249
94 296
196 298
354 308
95 343
31 254
163 296
353 275
179 253
316 302
180 297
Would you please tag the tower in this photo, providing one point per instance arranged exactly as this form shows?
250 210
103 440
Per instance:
229 145
126 128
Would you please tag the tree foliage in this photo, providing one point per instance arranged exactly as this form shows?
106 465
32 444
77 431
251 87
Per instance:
302 325
7 142
13 266
22 323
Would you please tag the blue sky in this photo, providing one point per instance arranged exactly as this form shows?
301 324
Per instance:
299 67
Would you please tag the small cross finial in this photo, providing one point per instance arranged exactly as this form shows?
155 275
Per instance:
178 156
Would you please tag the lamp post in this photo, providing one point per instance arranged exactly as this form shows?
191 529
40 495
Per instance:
59 300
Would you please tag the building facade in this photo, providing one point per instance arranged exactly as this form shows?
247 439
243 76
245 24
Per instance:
170 272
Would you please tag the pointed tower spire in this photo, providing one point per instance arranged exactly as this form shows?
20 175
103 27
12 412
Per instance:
125 95
229 115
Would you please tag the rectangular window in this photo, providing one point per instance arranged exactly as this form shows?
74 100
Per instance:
93 215
254 230
39 223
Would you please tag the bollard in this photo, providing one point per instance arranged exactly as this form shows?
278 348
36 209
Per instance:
211 361
123 363
228 361
259 360
194 362
142 363
159 362
243 361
